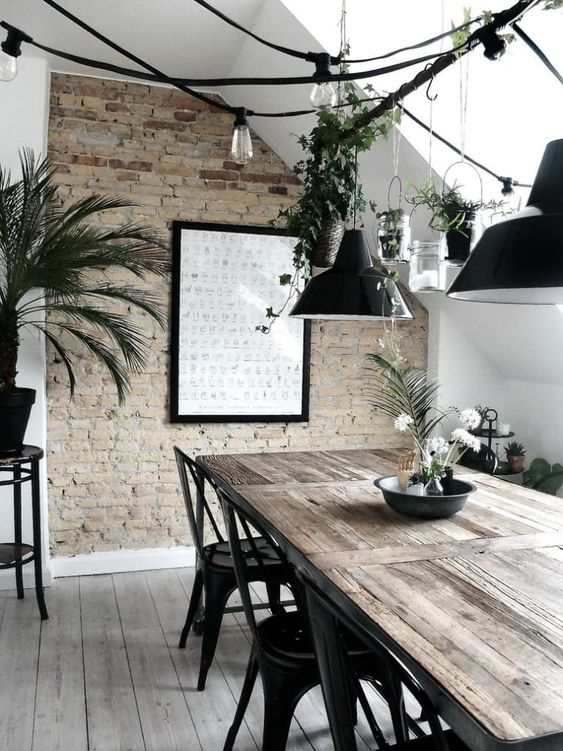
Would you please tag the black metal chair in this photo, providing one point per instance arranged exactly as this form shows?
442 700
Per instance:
282 650
215 576
330 627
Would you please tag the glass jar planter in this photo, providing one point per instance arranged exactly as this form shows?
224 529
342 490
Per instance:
427 271
393 236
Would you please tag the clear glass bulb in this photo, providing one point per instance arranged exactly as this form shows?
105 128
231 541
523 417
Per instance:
323 96
8 67
241 146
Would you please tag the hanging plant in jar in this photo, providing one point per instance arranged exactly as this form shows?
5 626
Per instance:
453 215
392 232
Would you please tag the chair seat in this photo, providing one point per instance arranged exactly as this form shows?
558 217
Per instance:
219 553
285 637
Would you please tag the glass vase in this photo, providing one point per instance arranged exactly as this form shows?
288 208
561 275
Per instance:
433 487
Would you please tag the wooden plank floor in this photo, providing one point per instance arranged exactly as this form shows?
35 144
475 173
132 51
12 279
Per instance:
104 673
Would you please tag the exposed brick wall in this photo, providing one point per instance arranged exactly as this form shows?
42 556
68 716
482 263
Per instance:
113 483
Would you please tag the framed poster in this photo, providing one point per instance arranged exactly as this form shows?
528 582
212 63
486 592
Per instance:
222 369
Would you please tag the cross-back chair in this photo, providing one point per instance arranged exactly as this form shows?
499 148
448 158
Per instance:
282 648
215 578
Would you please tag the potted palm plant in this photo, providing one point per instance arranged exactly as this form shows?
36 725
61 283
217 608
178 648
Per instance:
49 256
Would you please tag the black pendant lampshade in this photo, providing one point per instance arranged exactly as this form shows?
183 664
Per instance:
352 288
520 260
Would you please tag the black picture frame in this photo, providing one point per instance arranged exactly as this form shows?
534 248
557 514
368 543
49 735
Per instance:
263 243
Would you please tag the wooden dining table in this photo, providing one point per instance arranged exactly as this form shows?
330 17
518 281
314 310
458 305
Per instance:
472 604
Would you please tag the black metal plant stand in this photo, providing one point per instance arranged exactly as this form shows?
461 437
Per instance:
17 554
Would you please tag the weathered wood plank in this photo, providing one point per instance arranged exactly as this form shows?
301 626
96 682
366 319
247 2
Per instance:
19 649
113 717
165 718
211 710
427 552
474 599
60 713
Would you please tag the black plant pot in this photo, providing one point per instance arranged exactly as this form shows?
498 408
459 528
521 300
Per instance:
15 408
458 241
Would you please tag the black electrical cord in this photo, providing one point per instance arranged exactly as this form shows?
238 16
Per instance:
438 137
134 58
417 46
159 77
334 60
534 47
309 56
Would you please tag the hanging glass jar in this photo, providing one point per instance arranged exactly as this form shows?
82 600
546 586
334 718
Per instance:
393 236
427 272
393 230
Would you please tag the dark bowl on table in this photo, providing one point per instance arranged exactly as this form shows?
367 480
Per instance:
425 506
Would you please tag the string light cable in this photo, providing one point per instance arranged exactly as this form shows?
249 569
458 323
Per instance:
534 47
322 72
507 182
338 59
485 35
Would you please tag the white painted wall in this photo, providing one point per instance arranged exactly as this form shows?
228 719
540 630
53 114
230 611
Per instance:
509 357
24 106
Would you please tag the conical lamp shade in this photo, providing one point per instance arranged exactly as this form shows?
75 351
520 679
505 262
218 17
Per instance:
520 260
352 288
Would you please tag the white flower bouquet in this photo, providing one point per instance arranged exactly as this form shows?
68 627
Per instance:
408 395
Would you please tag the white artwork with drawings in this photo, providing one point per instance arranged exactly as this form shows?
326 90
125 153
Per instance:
225 366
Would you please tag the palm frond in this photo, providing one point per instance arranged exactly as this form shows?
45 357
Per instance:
102 352
46 246
404 390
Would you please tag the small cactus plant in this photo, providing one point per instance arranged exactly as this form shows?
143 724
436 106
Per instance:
514 448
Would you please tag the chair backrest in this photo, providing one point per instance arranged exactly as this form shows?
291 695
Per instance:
249 558
187 468
326 621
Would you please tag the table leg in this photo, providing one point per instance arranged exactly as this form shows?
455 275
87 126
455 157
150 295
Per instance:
36 514
18 526
333 669
197 627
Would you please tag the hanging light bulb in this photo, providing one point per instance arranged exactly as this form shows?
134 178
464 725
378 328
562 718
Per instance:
241 145
323 95
10 50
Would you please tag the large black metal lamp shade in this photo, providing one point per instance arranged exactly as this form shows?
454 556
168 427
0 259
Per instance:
352 288
520 260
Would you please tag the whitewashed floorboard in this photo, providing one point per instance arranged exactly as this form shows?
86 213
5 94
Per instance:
212 710
113 717
60 716
19 649
165 718
105 672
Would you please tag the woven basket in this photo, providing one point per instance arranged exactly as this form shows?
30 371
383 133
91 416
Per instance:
328 242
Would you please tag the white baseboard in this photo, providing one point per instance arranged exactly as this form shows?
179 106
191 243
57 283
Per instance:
117 561
8 577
